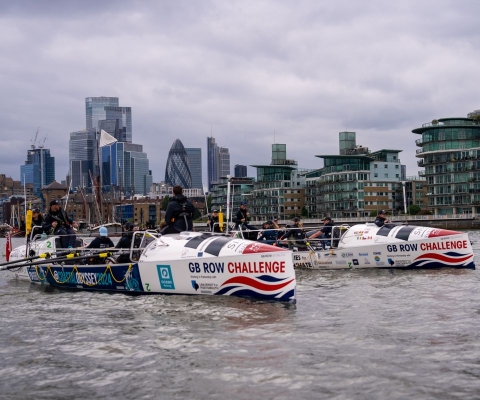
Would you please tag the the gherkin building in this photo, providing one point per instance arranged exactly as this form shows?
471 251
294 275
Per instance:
177 171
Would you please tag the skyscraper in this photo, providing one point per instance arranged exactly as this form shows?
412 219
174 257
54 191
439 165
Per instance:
122 118
177 171
95 110
122 163
218 162
39 169
195 163
83 157
240 171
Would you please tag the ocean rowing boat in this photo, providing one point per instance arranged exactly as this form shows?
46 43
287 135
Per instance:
390 246
188 263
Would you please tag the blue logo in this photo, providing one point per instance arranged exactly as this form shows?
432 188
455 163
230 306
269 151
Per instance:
165 277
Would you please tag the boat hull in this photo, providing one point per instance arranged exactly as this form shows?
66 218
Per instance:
189 264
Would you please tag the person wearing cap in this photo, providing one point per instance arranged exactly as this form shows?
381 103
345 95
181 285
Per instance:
213 223
324 233
269 234
381 219
57 222
295 234
102 241
242 218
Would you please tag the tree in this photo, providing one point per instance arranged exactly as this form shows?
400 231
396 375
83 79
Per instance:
165 202
209 202
414 209
304 212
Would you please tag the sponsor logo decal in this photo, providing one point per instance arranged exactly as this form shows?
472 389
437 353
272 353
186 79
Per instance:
165 277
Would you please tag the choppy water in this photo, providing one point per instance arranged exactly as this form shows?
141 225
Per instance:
378 334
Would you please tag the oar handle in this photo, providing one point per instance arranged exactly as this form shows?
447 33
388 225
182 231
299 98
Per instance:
69 257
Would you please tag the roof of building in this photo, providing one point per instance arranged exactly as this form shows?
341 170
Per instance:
56 185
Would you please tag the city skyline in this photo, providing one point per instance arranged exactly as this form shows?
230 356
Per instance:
211 69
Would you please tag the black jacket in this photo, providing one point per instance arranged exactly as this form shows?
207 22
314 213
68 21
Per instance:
327 229
213 226
101 242
379 221
296 233
241 214
60 217
175 218
125 242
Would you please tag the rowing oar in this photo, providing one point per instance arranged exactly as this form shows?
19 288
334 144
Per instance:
69 257
43 255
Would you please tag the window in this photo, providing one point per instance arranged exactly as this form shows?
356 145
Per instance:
375 165
385 166
375 175
386 175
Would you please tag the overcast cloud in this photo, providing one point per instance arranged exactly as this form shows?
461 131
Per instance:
247 72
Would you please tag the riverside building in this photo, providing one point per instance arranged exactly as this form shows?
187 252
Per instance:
355 183
279 190
450 153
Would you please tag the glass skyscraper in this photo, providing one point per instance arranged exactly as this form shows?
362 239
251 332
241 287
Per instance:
83 156
122 118
195 162
122 164
126 166
240 171
39 169
177 171
95 110
218 162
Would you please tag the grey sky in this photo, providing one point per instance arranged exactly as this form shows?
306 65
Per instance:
240 70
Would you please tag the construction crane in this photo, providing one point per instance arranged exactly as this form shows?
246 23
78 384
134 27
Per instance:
34 140
41 146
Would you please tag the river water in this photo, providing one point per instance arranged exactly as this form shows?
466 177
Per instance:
370 334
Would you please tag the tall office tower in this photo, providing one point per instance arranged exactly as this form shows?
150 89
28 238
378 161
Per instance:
195 163
39 169
218 162
118 123
224 162
119 162
95 110
212 177
240 171
105 113
83 157
125 166
177 171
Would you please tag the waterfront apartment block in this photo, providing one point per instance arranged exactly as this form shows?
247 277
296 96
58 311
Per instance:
356 182
450 153
279 190
240 190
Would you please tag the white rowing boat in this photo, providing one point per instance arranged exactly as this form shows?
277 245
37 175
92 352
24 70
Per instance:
189 263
